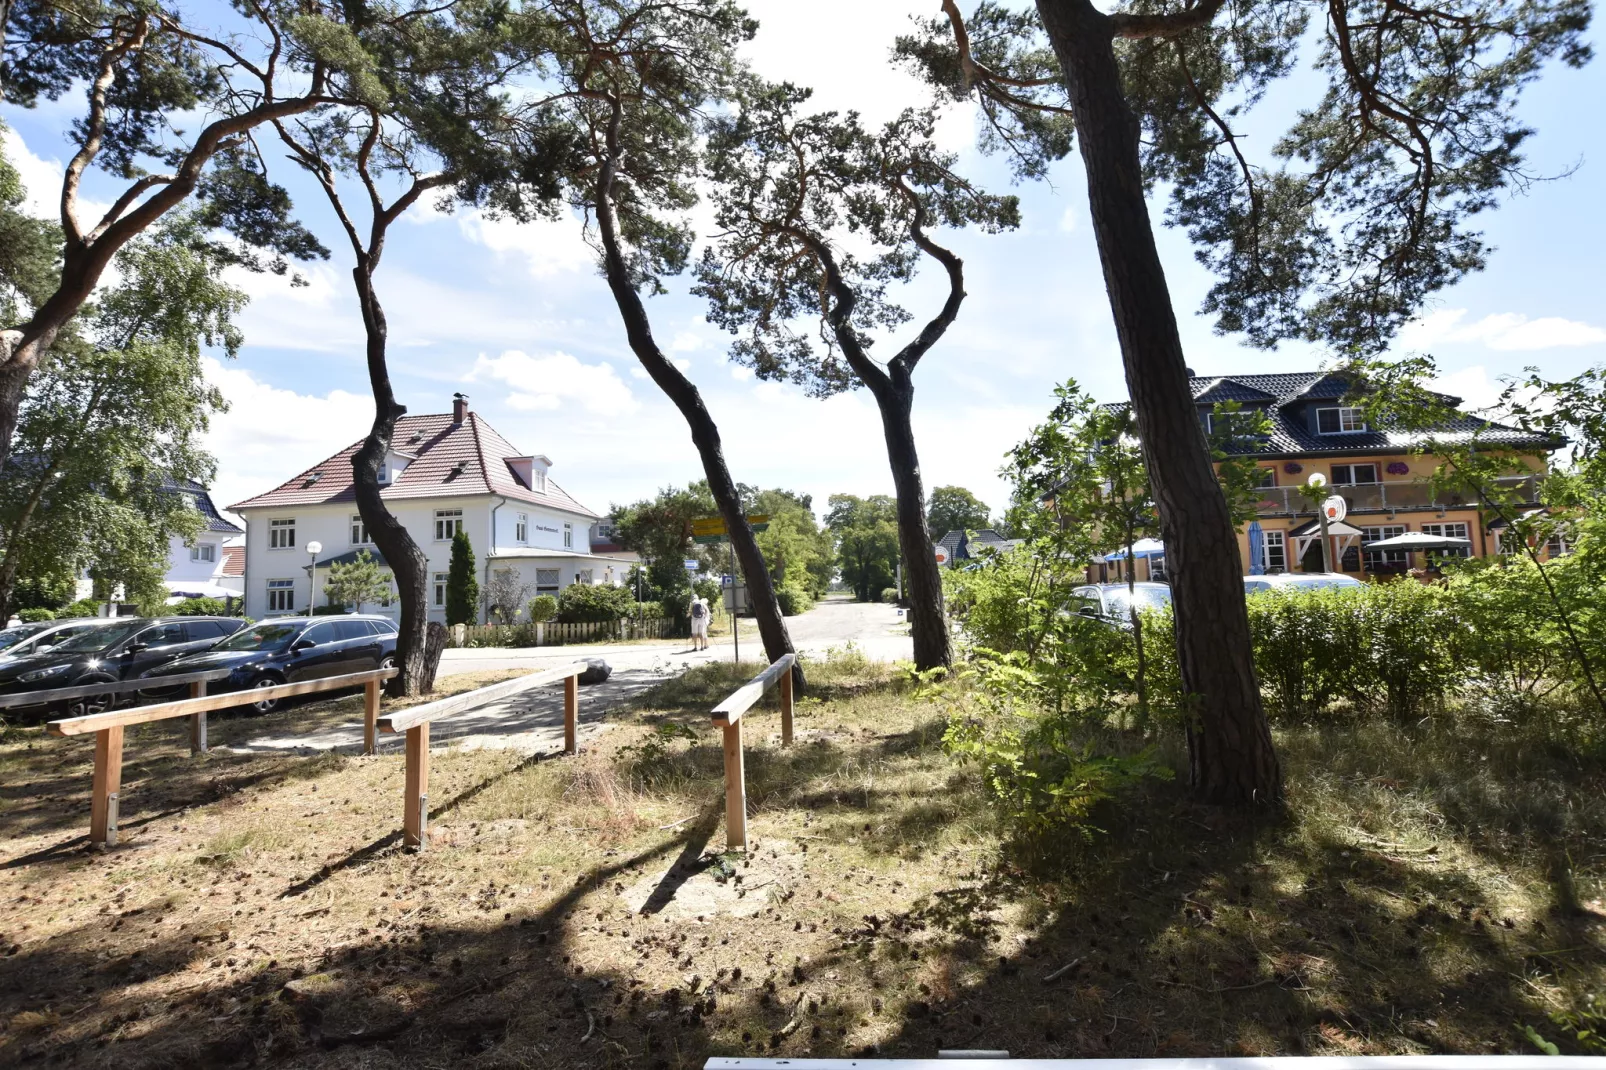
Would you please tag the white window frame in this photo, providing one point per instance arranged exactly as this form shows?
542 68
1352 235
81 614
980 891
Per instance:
568 536
281 596
448 522
547 580
440 579
1350 480
1383 560
359 531
384 473
521 528
538 482
204 551
585 576
282 533
1280 541
1157 573
1455 529
1347 420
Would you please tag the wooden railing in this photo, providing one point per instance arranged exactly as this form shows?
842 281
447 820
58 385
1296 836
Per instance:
196 681
108 727
728 716
415 723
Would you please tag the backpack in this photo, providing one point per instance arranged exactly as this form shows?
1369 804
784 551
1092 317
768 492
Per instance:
698 611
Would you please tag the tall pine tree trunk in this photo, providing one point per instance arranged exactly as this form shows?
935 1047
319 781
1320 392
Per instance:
928 623
1229 742
407 562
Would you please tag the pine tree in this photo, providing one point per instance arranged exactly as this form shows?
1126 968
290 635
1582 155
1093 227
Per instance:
462 589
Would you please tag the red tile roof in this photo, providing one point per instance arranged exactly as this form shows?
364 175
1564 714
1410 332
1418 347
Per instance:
440 446
233 561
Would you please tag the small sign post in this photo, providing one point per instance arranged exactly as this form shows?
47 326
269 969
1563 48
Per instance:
709 530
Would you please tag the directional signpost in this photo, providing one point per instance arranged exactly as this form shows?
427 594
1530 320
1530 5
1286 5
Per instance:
709 530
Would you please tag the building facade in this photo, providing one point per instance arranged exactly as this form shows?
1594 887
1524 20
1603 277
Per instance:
1379 473
445 473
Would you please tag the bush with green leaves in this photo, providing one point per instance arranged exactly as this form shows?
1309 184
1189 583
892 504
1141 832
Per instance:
889 595
794 599
543 607
200 607
581 602
84 607
35 615
650 611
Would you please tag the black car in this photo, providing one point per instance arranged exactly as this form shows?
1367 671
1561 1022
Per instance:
122 649
285 650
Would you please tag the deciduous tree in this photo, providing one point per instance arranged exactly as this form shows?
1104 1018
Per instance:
866 534
955 509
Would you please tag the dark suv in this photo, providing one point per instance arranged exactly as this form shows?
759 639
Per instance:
287 649
122 649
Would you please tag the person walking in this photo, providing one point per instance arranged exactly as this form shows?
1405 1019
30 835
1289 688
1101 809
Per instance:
699 623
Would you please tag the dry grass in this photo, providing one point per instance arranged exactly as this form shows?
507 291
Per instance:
1425 892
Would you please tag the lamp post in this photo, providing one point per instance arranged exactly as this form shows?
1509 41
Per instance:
314 548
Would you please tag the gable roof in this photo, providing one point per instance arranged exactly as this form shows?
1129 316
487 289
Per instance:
452 460
233 561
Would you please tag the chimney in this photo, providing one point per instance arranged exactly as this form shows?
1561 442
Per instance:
459 408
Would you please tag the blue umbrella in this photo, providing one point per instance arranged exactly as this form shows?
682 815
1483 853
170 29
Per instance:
1257 549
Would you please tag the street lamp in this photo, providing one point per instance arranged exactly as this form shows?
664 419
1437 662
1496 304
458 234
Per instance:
314 548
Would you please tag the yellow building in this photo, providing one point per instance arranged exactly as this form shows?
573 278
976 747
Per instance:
1383 481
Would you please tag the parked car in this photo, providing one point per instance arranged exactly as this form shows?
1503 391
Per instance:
285 650
25 640
110 651
1111 603
1298 581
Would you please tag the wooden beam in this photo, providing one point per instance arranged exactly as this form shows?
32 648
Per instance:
107 783
402 720
735 789
109 687
741 700
571 715
78 726
370 717
786 709
198 721
415 818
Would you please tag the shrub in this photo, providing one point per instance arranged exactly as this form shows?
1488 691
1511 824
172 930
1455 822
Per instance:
543 607
332 610
889 594
84 607
650 611
200 607
794 600
35 615
594 602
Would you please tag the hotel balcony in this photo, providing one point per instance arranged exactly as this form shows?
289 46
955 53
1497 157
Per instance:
1387 497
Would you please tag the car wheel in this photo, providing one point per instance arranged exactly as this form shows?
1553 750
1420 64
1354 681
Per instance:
267 705
388 661
91 704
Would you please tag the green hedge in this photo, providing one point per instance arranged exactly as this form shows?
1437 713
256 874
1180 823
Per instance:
794 600
35 615
543 607
581 602
84 607
201 607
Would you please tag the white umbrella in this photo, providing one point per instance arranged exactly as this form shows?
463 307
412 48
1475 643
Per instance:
198 589
1141 548
1419 540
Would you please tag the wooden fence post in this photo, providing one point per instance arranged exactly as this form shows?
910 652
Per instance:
415 820
198 721
571 715
108 780
370 717
786 708
735 790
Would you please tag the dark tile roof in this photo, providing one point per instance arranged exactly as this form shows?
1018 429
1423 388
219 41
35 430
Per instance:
450 460
203 505
1283 395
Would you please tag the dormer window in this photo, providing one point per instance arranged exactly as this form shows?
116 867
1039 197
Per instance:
384 473
1340 421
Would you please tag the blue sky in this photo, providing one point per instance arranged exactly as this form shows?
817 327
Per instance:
517 318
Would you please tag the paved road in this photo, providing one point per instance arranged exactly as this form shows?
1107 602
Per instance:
533 722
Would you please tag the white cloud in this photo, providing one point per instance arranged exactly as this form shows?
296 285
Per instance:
557 380
1472 385
1506 331
550 247
1068 219
41 178
741 373
269 433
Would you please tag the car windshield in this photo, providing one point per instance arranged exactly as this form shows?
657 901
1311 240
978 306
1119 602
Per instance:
12 636
262 637
99 637
1147 598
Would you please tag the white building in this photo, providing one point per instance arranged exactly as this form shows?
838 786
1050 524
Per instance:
444 473
198 568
